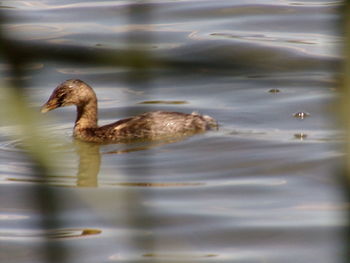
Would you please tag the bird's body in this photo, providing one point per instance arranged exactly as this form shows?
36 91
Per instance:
147 126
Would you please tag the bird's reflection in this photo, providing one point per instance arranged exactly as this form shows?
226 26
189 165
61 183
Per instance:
90 157
89 163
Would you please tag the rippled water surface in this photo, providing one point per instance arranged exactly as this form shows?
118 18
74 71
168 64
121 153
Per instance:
263 188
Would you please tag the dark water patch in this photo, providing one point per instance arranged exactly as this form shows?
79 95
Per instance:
51 234
60 180
72 233
5 7
31 66
81 70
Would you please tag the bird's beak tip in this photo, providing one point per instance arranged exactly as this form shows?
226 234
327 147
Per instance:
44 109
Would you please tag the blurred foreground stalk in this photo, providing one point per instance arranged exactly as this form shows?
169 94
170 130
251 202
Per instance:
15 111
26 122
19 115
345 117
16 55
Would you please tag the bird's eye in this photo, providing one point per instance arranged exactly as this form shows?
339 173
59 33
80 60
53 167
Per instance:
60 99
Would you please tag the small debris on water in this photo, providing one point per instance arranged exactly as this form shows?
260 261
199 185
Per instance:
301 136
274 91
301 115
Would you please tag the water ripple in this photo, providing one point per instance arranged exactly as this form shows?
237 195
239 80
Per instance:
11 146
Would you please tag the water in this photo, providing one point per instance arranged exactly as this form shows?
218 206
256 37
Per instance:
264 188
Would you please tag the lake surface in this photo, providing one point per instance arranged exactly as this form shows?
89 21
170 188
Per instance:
263 188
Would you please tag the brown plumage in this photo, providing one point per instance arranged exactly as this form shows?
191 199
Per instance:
147 126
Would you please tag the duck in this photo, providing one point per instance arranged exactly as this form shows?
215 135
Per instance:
146 126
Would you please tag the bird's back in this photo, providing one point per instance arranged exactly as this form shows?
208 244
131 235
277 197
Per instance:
159 124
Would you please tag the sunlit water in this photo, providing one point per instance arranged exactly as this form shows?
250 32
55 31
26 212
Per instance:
264 188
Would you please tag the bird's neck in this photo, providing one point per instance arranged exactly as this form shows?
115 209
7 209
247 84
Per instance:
87 116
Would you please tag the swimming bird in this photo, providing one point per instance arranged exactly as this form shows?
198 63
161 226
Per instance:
147 126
